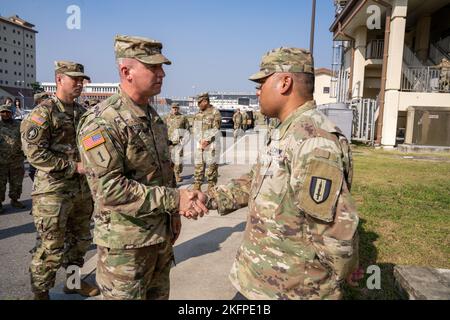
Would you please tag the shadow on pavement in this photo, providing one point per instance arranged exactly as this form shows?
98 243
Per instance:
14 231
206 243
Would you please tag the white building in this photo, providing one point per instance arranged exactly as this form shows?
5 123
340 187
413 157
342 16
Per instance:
322 85
17 57
395 68
97 91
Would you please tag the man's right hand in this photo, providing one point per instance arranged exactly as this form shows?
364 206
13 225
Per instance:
192 204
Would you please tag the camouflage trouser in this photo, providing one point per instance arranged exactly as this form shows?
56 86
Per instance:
237 133
206 158
11 173
177 153
63 224
135 274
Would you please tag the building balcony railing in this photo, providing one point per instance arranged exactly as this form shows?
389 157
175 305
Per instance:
375 49
426 79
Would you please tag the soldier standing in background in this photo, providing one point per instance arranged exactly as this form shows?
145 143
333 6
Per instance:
245 119
38 98
301 238
206 129
62 202
178 129
125 149
11 158
237 123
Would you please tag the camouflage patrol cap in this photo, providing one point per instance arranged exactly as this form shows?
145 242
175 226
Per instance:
72 69
203 96
291 60
175 105
40 95
6 107
145 50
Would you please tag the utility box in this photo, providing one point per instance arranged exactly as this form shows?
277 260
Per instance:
341 115
428 126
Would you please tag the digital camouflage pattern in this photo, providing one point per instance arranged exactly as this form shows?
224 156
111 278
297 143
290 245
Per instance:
301 237
124 149
38 97
291 60
206 126
145 50
237 124
135 274
12 158
245 118
178 130
444 79
71 69
62 203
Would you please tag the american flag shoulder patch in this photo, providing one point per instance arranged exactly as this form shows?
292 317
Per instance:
93 140
38 119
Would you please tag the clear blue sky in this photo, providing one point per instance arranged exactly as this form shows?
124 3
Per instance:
214 44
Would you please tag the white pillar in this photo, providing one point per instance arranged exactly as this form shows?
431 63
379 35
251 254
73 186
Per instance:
394 72
359 63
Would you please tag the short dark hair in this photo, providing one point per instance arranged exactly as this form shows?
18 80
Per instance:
307 80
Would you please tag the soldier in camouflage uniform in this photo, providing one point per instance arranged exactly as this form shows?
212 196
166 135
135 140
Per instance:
301 236
237 123
62 202
124 147
245 119
11 159
444 79
206 129
178 127
38 98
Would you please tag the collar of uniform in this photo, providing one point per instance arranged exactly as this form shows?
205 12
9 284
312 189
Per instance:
139 111
207 109
61 106
285 125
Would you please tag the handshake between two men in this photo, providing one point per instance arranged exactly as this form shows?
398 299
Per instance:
193 204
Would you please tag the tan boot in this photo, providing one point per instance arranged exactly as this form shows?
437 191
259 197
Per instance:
197 187
17 204
86 290
42 295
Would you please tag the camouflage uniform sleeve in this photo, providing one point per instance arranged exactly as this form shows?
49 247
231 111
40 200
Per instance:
35 136
103 156
233 196
212 133
321 191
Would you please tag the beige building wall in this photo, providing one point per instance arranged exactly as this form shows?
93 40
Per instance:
322 89
17 55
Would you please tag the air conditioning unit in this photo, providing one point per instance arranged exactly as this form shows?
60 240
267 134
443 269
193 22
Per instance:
428 126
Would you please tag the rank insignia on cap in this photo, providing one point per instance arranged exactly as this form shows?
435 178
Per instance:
38 120
319 189
93 140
